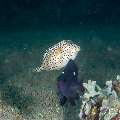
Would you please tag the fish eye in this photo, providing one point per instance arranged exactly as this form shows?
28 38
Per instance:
62 72
74 73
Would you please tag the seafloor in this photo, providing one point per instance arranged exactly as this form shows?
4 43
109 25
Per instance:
25 95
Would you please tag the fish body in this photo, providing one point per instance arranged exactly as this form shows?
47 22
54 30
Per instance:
57 56
68 85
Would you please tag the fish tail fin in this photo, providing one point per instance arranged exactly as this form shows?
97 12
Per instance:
37 69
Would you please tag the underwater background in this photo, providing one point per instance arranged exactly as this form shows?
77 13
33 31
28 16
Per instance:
28 28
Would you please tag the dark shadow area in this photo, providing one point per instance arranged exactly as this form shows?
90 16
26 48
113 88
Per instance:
71 112
43 14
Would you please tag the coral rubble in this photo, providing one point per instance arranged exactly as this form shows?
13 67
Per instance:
101 104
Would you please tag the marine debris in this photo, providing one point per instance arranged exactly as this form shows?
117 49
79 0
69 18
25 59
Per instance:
101 104
57 56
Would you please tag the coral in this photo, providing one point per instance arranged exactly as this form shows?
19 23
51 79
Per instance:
117 117
111 107
102 104
91 86
88 103
116 85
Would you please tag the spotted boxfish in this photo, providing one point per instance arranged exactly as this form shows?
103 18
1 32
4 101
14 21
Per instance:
57 56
